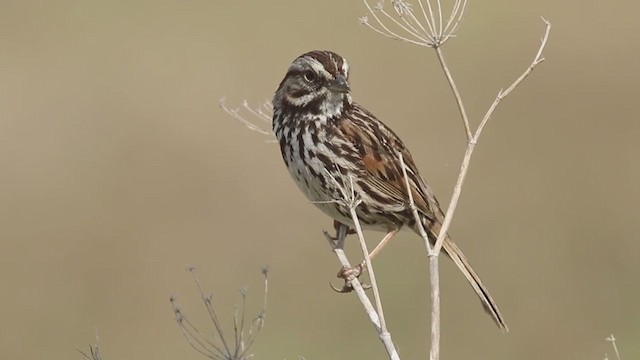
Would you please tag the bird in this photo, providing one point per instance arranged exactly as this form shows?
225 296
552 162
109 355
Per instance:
330 143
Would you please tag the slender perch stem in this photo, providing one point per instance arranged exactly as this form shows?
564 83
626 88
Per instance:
383 334
434 251
434 273
350 200
372 276
434 277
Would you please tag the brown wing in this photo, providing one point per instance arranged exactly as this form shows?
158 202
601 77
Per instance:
378 148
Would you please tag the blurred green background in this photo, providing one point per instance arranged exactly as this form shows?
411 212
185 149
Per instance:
118 170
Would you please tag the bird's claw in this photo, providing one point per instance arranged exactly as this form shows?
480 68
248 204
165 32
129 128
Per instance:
334 241
350 273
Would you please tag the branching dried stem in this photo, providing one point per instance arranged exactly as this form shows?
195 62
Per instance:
612 340
262 114
474 140
436 32
435 296
456 92
351 201
414 208
434 35
434 272
94 350
219 348
372 276
337 244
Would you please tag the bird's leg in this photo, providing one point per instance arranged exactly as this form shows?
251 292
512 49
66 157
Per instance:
346 272
336 226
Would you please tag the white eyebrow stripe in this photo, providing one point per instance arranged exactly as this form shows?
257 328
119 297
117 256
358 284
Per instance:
345 67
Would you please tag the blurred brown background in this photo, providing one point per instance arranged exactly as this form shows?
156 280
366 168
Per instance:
118 170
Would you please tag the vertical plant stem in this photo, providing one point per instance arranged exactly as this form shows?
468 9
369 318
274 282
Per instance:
434 275
383 334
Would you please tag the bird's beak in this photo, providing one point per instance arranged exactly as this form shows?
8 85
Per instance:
339 85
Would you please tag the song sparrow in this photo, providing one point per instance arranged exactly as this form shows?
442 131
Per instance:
330 143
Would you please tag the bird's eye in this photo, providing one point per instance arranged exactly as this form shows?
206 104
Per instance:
309 76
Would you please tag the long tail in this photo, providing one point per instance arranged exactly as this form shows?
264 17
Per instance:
490 306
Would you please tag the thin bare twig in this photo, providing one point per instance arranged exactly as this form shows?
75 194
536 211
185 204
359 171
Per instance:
456 17
218 348
263 113
612 340
94 350
372 276
433 257
413 207
351 201
437 34
456 92
434 273
434 35
472 143
337 245
434 277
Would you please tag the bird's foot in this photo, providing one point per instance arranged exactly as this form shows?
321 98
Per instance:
348 274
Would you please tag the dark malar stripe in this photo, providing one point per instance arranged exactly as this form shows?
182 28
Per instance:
310 108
